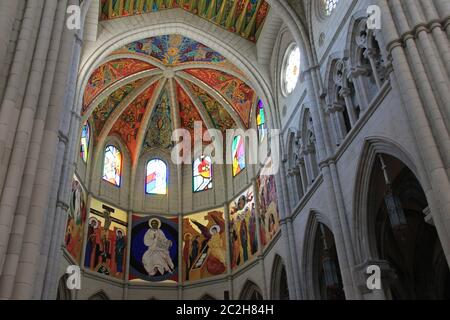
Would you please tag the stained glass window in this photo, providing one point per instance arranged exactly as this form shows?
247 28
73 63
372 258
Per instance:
291 70
238 153
202 174
85 140
261 120
112 167
156 179
328 6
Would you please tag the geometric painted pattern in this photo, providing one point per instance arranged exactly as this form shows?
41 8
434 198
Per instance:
159 131
235 91
108 73
172 50
127 127
188 112
220 117
166 52
109 104
242 17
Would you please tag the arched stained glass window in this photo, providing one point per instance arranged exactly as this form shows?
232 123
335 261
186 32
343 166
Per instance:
112 166
85 140
156 179
261 120
291 70
202 174
238 153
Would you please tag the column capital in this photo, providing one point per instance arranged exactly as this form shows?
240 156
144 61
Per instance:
355 72
345 92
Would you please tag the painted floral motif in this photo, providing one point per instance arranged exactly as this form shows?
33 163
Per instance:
108 73
173 50
219 115
108 105
188 112
236 92
243 17
127 127
159 132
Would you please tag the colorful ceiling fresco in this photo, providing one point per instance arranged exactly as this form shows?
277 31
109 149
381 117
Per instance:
127 127
235 91
243 17
193 102
159 131
172 50
188 112
219 115
109 73
109 104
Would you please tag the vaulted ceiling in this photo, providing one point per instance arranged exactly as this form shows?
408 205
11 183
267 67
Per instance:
243 17
148 88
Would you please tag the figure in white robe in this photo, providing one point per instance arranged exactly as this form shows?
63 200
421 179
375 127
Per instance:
157 257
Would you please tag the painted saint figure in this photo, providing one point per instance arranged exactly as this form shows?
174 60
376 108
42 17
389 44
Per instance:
119 251
157 257
252 231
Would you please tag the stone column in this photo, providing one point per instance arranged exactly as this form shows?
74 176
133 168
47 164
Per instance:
9 113
127 260
356 74
346 94
370 54
26 271
8 13
413 94
226 214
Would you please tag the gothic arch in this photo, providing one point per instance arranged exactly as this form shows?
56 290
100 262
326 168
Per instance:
394 225
329 67
365 244
250 291
63 292
295 21
310 289
98 162
100 295
279 286
207 296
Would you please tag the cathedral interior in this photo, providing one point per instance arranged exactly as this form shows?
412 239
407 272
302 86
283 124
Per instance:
225 150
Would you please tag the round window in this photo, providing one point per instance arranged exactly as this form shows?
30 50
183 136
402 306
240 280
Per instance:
291 69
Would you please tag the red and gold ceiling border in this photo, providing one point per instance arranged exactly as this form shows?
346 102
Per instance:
242 17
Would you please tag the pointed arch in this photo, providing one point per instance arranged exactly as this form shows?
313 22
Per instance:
63 292
202 174
112 165
315 218
396 225
238 154
85 141
100 295
261 124
366 245
207 296
156 180
250 291
279 287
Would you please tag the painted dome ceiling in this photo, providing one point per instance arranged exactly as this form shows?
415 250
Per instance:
243 17
148 88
